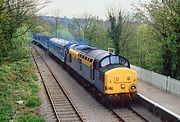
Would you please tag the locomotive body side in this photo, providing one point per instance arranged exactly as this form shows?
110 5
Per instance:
110 79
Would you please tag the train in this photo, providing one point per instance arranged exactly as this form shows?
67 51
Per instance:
108 74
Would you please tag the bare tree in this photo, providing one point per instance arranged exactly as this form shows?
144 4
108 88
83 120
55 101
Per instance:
80 25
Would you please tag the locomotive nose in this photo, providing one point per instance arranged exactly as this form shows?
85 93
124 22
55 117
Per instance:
120 80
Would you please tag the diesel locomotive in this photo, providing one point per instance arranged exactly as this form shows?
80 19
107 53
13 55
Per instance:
109 74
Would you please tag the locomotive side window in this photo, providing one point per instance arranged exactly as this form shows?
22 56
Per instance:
114 59
91 60
105 62
123 62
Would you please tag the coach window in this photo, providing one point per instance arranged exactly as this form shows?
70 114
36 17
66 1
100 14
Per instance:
105 62
114 59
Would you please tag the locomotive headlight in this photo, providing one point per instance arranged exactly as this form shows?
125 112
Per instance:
122 86
133 89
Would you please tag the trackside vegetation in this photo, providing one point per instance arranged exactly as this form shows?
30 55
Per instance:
19 99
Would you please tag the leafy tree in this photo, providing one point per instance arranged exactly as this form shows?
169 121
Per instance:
14 15
164 16
115 30
120 31
96 34
145 49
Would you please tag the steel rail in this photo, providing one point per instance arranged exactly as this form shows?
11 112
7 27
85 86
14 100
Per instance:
46 89
145 119
62 88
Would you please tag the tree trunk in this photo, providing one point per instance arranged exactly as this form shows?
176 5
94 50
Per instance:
167 64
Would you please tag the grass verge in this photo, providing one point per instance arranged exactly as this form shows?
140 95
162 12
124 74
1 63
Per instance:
19 99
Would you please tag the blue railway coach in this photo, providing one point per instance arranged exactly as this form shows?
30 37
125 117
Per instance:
58 47
41 39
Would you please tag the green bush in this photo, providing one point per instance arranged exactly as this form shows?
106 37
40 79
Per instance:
34 88
35 77
33 102
31 118
6 109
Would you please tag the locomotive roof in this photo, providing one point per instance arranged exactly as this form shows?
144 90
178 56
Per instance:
65 43
98 54
61 42
92 52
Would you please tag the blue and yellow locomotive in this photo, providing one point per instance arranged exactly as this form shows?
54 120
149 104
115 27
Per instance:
108 73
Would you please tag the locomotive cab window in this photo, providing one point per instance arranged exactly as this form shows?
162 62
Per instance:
114 59
105 62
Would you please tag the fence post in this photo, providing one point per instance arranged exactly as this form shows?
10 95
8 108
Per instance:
167 84
138 73
151 78
178 91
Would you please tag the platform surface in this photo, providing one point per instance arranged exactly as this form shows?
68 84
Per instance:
163 98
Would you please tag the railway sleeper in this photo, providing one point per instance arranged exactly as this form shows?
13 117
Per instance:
65 109
59 97
68 115
67 112
70 119
63 104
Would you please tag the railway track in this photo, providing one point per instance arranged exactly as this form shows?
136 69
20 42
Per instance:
128 115
65 110
63 107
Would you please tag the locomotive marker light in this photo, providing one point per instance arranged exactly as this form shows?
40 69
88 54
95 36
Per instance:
123 86
117 79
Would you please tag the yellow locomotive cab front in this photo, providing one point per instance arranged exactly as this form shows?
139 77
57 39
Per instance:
120 80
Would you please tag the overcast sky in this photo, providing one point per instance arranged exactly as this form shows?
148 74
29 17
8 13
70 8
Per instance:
72 8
